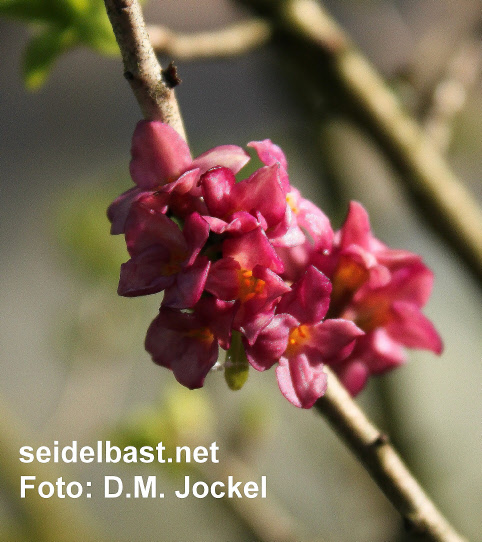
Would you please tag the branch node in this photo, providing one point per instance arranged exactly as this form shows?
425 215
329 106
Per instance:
382 439
170 76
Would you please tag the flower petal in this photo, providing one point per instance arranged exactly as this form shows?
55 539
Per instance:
411 328
145 227
334 339
353 376
188 286
270 154
189 356
159 154
216 185
229 156
309 298
271 342
356 229
301 378
120 207
251 249
141 275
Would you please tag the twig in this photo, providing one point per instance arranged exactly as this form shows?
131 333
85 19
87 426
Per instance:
325 56
232 41
372 448
449 95
152 89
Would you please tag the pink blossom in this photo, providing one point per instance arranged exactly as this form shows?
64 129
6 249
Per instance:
300 341
162 164
318 236
187 342
247 273
163 257
382 291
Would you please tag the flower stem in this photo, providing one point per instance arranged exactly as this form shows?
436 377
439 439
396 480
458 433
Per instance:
152 86
384 465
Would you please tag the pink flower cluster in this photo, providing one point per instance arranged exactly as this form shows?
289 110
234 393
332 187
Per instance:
256 259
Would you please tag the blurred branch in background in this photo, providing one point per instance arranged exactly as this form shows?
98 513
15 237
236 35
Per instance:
185 418
39 519
232 41
450 93
326 62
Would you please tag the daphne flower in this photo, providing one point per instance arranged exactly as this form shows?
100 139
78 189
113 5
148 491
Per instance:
164 258
187 342
248 273
382 291
162 164
301 342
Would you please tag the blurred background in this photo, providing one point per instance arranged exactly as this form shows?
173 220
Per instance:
73 365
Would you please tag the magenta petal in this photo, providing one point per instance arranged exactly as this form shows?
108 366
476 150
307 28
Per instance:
411 328
196 232
219 315
251 249
230 156
186 291
141 274
396 259
412 284
271 342
251 327
379 351
183 184
120 207
356 229
270 154
334 339
353 376
217 184
159 154
189 357
262 193
223 279
301 379
216 225
145 228
309 298
287 233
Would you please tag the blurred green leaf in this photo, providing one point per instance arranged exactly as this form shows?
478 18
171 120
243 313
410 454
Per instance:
59 26
41 53
82 229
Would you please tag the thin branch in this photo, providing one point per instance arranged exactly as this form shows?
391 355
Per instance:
383 463
152 89
325 56
450 93
235 40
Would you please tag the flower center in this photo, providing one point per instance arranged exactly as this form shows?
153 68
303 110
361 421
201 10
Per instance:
372 314
298 337
347 279
174 265
202 334
290 200
249 286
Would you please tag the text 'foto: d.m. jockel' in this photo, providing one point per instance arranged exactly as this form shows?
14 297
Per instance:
256 269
